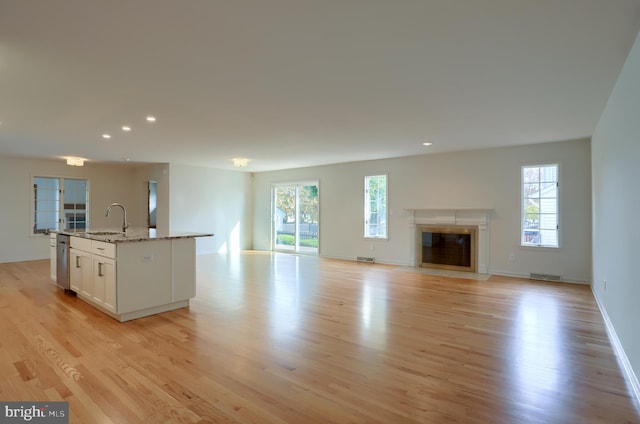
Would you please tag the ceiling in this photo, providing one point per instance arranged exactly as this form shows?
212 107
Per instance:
294 83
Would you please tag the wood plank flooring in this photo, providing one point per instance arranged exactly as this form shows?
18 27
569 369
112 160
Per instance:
276 338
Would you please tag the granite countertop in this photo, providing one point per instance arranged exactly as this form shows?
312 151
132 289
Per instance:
132 235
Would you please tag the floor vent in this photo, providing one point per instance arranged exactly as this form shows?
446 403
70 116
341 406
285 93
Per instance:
544 277
365 259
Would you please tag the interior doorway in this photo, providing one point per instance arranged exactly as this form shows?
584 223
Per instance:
296 209
152 204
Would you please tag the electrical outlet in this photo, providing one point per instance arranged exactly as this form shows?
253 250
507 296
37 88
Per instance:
512 257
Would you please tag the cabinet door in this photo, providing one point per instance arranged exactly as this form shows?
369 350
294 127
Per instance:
75 274
52 255
110 285
80 272
104 282
86 271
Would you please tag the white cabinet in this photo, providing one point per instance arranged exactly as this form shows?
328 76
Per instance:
144 275
93 276
80 272
183 267
129 280
104 282
53 240
103 249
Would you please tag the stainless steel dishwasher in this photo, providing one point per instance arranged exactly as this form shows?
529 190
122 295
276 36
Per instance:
62 261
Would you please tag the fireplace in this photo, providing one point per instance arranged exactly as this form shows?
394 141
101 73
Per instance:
474 222
451 247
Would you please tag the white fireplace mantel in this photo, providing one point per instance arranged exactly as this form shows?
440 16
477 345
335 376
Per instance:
456 217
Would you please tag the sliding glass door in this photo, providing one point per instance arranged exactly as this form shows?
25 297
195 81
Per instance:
295 217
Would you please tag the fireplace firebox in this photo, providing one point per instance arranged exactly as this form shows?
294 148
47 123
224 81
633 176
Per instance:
452 247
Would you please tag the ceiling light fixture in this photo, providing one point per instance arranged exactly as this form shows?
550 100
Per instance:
106 136
74 161
126 128
151 119
427 144
240 162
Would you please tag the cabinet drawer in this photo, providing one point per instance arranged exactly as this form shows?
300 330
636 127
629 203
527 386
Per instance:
81 243
103 249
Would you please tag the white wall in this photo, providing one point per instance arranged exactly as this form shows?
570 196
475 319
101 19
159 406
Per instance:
212 201
160 173
616 207
191 199
485 179
107 184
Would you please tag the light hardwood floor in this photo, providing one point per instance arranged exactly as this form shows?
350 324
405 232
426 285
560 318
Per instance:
276 338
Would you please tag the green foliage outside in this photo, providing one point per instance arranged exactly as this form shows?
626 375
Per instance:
309 243
532 212
289 240
285 239
308 203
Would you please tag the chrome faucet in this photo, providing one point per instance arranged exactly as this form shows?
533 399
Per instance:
125 225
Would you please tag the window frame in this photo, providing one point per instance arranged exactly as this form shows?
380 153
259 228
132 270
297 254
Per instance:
297 186
367 209
523 213
60 219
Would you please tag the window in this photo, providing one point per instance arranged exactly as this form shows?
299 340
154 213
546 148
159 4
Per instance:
59 204
375 206
296 213
539 205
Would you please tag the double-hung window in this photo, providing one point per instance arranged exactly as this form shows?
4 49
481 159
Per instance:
539 206
375 206
59 204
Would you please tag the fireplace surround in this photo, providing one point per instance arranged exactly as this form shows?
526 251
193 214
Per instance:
456 220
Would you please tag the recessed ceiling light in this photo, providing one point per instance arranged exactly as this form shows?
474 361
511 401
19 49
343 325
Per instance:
427 143
240 162
75 161
106 136
151 119
126 128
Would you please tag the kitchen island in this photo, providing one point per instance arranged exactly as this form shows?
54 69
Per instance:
132 274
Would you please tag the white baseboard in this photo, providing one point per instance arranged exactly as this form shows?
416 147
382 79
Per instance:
377 260
526 277
631 377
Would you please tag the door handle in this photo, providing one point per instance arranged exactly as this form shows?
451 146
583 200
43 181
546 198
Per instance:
100 273
77 261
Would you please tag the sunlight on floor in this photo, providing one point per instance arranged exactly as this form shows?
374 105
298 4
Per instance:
537 349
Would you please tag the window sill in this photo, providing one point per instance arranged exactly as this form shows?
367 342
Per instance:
537 247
